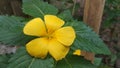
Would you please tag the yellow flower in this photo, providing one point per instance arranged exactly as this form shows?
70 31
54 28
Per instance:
77 52
52 37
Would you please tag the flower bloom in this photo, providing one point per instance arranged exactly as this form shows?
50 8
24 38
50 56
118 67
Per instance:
77 52
52 37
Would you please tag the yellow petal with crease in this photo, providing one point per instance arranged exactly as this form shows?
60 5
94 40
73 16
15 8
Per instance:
38 47
35 27
57 50
53 23
65 35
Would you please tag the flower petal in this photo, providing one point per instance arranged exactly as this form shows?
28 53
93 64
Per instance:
53 23
57 50
77 52
65 35
38 47
35 27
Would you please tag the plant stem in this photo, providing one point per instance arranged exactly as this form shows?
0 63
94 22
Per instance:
74 5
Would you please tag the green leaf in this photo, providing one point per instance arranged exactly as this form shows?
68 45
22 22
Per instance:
113 58
104 66
11 31
3 65
97 61
3 58
86 39
22 60
66 15
4 61
38 8
74 62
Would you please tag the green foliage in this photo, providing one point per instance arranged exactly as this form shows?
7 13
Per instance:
66 15
22 60
38 8
86 39
104 66
111 12
11 31
4 61
74 62
97 61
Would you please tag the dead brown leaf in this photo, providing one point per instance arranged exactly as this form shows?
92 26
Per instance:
88 56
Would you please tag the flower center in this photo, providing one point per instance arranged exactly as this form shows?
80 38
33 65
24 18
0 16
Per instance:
49 36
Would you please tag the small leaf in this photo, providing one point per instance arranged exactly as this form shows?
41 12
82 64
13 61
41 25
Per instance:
86 39
11 31
38 8
22 60
97 61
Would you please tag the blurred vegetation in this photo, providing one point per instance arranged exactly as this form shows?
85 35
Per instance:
111 12
111 22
